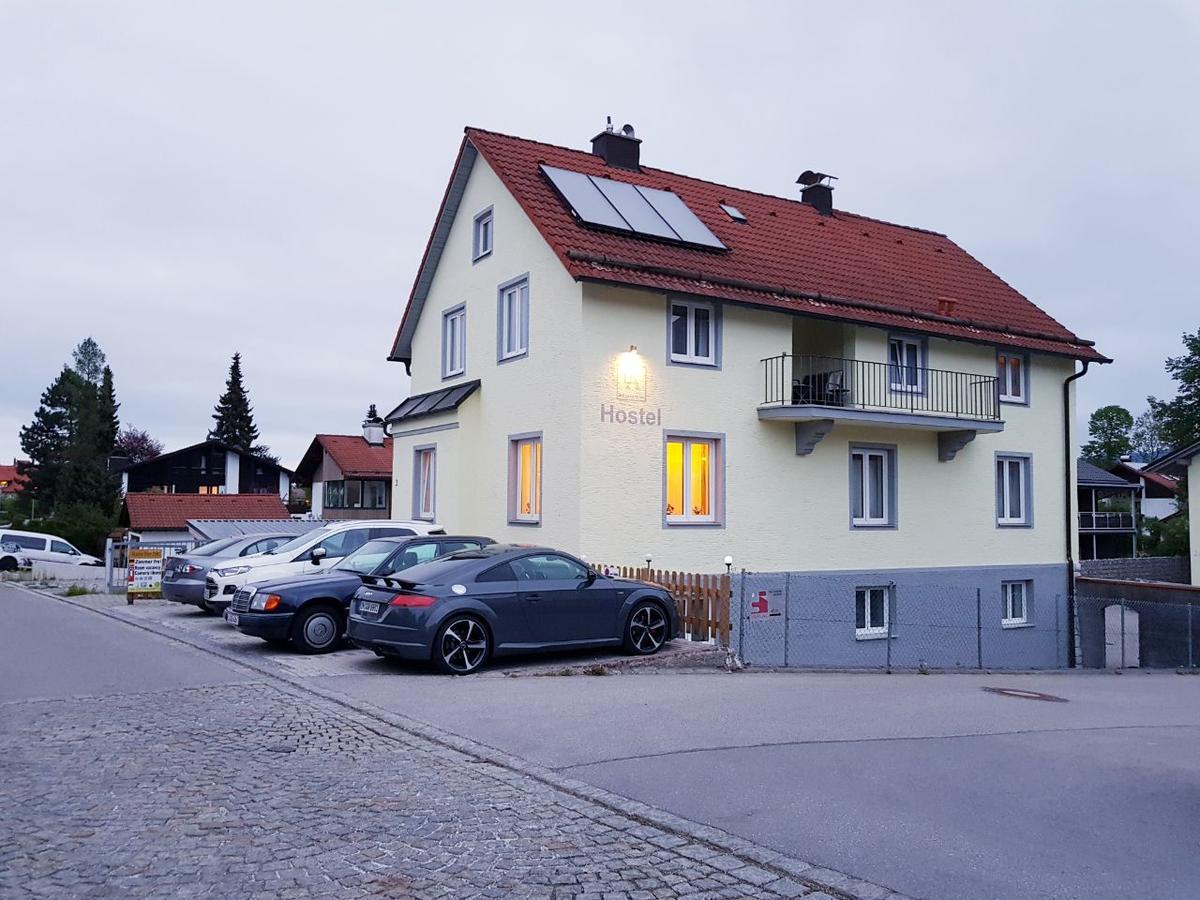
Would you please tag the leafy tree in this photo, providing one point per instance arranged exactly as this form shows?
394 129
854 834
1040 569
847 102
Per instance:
1180 417
88 361
1146 437
48 438
1165 537
1109 429
84 526
137 445
233 413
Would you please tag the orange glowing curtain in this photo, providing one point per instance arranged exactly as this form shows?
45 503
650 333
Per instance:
675 505
701 461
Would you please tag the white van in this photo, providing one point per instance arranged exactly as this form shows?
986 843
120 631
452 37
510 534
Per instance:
312 552
47 548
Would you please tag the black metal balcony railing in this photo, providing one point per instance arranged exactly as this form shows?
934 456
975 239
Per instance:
1106 521
790 380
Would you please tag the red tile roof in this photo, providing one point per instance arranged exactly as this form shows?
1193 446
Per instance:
10 481
170 512
356 458
787 256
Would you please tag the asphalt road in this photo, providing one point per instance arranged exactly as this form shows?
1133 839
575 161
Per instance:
924 783
49 650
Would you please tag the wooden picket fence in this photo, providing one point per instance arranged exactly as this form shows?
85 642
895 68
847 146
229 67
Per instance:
702 601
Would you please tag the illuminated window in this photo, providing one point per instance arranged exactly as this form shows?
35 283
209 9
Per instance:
692 332
525 479
1011 369
692 478
424 483
211 489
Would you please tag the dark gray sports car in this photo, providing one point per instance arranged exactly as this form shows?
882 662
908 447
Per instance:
464 608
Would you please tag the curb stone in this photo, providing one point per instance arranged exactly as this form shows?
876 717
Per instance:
708 842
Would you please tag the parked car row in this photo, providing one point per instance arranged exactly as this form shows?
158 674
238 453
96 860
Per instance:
409 590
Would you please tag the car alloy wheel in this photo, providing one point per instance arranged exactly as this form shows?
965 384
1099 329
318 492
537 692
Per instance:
647 629
462 646
317 631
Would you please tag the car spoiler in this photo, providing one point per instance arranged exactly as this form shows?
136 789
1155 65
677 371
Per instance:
388 581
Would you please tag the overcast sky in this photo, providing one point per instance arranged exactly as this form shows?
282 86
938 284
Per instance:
181 181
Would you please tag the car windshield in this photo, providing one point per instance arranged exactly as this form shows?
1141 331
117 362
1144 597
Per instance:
213 547
296 543
366 558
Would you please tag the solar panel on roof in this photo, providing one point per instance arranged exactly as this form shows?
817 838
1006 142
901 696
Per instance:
628 207
585 198
634 208
689 228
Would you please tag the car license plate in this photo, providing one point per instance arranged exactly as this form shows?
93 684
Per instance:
367 607
231 617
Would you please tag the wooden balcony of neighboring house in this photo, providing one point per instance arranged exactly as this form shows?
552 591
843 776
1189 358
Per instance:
818 392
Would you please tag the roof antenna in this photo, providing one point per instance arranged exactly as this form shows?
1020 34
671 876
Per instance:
608 127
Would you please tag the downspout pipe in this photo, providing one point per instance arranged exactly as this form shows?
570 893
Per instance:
1068 519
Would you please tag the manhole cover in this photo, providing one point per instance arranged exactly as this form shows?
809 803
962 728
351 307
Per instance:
1025 695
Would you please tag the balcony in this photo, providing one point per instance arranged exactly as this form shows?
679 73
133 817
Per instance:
1106 521
817 392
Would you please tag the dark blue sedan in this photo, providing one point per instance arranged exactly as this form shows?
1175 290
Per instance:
461 610
308 610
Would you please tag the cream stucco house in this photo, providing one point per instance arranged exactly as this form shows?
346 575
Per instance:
627 363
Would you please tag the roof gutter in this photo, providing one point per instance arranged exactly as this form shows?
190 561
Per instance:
1068 517
758 287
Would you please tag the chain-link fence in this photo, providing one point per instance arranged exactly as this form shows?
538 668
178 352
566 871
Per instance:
1123 632
909 621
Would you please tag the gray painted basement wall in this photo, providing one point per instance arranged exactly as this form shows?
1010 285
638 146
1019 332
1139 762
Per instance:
810 619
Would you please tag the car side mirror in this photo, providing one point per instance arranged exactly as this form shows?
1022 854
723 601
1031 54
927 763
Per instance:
591 577
317 555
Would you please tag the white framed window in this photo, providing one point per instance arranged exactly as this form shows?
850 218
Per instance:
513 320
872 487
1012 371
1013 491
481 235
692 479
425 483
871 612
1016 602
525 479
906 364
692 332
454 342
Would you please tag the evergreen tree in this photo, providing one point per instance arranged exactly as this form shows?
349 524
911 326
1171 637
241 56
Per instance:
86 480
233 413
1180 418
110 424
1108 429
47 440
89 361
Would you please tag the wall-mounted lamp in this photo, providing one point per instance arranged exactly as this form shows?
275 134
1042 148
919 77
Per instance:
631 375
728 564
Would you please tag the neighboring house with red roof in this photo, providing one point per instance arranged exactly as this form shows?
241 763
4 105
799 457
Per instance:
209 467
10 481
622 361
1160 492
350 475
164 517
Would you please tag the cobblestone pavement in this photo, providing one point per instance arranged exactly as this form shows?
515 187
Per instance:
261 790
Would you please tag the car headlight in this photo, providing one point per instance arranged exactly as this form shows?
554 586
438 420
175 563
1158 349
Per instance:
233 570
265 602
